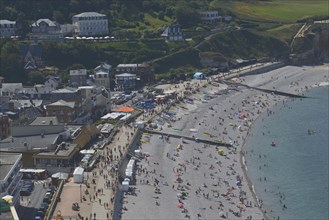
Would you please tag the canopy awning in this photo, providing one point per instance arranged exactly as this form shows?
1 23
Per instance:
125 109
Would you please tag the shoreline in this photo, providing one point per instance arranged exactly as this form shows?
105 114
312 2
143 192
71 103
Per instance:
242 161
242 155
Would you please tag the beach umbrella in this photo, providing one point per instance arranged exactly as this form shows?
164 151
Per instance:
184 193
180 205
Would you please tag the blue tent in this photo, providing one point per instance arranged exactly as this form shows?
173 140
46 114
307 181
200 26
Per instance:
199 75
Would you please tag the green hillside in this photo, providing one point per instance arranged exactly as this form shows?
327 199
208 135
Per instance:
287 11
262 28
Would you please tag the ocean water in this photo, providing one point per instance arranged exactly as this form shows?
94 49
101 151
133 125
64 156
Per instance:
294 173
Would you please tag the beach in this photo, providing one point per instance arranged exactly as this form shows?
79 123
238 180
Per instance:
185 178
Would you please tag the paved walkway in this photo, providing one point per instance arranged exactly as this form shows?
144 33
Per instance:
104 189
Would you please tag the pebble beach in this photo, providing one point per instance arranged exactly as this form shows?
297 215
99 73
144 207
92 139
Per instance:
187 179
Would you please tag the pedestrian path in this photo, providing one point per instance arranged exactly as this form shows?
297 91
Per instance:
102 207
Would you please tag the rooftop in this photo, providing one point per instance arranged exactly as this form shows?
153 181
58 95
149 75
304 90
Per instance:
46 20
63 103
125 75
128 65
89 14
21 144
7 160
7 22
45 121
63 150
65 90
79 72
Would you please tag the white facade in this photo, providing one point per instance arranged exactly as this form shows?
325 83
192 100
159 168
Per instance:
7 28
10 164
90 24
78 175
210 16
102 79
45 29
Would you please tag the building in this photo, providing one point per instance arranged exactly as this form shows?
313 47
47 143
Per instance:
173 33
66 112
7 28
10 184
143 71
42 143
125 81
68 94
78 77
102 75
102 102
52 82
210 16
88 97
11 89
66 154
90 24
32 56
45 29
102 79
5 126
104 67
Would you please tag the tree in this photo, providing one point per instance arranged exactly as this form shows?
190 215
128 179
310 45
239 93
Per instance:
58 16
12 63
187 16
36 77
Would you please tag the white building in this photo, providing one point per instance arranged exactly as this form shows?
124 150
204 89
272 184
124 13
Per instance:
78 175
102 75
90 24
45 29
7 28
210 16
10 164
11 89
125 81
173 33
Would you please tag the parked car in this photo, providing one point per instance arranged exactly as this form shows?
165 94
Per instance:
43 207
50 190
47 199
39 214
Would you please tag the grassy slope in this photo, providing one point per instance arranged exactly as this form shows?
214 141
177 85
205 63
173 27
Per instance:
281 10
284 32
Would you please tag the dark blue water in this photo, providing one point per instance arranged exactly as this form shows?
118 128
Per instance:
296 169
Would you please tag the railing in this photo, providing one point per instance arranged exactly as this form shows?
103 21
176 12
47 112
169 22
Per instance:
56 196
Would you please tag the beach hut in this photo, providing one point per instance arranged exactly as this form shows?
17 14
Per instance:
78 175
199 75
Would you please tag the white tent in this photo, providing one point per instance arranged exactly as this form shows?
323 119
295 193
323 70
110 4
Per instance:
78 175
125 186
60 175
87 151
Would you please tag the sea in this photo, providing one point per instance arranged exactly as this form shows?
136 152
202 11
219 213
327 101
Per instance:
291 178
